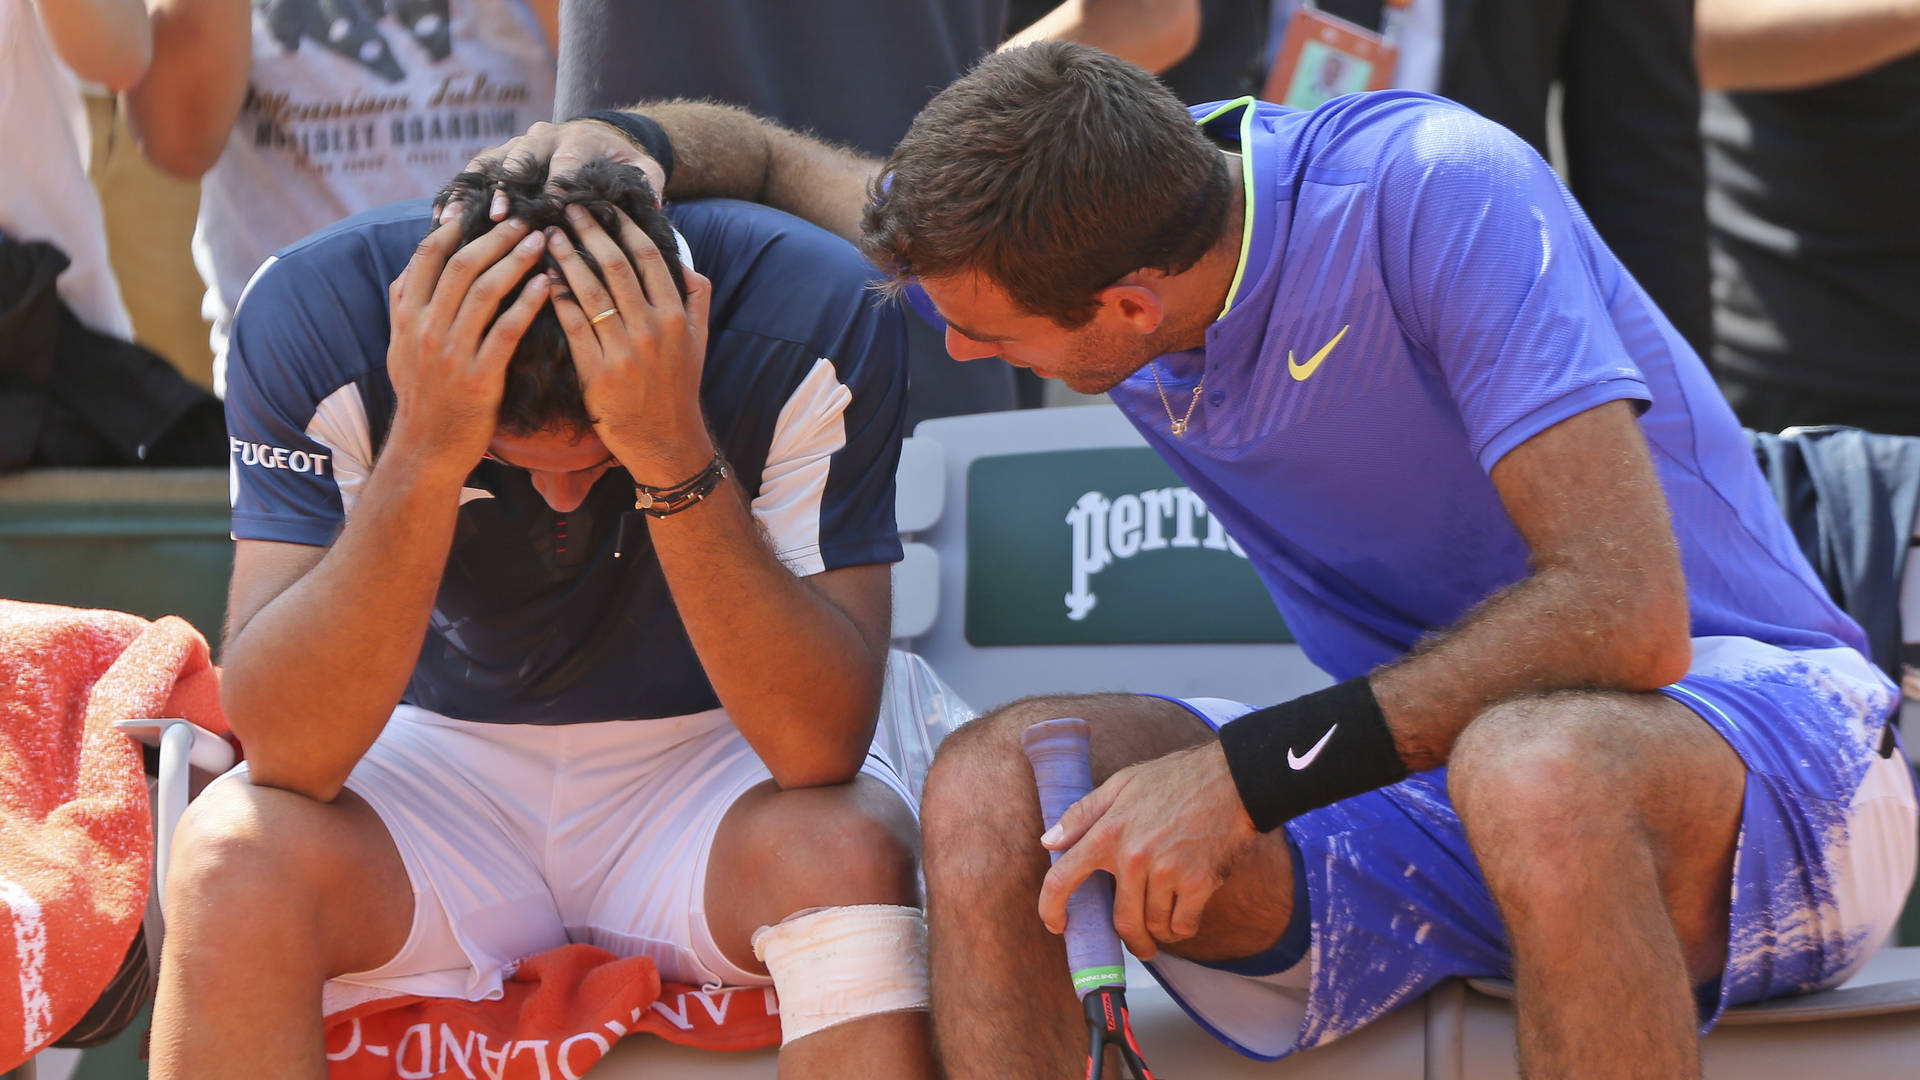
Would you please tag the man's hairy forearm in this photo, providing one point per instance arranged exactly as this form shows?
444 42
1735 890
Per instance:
1558 629
311 678
792 669
1786 44
1604 608
727 152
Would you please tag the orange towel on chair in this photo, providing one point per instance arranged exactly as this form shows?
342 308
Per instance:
76 841
559 1012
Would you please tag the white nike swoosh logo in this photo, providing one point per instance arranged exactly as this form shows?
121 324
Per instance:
1299 763
468 494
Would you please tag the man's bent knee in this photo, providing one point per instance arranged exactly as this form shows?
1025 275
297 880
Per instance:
778 852
1556 788
1601 755
998 732
980 777
232 849
1127 728
1541 756
851 844
259 863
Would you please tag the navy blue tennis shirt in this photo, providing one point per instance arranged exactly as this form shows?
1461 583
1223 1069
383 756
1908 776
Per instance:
547 618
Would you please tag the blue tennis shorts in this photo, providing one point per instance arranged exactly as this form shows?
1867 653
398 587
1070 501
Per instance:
1396 902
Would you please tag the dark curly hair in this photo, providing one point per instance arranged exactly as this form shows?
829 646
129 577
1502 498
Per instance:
542 389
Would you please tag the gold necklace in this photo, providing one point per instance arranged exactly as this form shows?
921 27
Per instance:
1179 422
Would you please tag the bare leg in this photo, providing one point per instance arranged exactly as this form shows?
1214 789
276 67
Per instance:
270 894
778 852
1002 1003
1605 825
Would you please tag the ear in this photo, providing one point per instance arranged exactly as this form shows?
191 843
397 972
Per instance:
1133 303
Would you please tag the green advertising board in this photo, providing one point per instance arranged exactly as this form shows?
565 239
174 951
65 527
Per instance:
1101 547
148 541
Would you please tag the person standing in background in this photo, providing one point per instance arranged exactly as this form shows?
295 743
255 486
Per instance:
1812 131
1629 112
296 113
47 49
851 71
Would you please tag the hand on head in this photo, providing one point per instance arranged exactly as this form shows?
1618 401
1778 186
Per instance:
564 148
606 331
451 340
638 344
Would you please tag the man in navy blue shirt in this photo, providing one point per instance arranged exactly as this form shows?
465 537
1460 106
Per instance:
559 614
1597 726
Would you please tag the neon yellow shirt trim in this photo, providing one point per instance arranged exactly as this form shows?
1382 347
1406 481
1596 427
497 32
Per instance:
1246 176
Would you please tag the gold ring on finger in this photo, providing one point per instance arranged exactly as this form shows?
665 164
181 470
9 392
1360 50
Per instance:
603 316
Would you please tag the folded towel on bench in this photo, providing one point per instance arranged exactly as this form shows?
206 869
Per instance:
559 1012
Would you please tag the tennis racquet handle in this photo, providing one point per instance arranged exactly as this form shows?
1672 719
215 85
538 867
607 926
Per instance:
1062 770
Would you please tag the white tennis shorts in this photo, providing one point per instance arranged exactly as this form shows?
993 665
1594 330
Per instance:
521 838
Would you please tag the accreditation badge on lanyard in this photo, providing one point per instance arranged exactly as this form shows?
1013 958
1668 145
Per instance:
1322 57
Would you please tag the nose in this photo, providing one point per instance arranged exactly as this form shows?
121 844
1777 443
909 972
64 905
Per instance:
565 491
962 347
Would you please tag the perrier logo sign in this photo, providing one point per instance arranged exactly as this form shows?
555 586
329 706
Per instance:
1103 547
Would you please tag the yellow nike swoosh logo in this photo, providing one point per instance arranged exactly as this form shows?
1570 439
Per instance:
1301 372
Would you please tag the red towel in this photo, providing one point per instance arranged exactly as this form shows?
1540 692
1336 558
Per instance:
560 1012
76 842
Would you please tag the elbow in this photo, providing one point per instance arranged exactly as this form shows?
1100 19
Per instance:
265 771
117 72
1720 68
124 72
1655 642
176 146
274 762
829 767
1664 662
182 162
824 761
116 61
1170 31
815 775
1182 30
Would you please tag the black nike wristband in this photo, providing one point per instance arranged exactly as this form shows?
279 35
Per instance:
643 131
1310 752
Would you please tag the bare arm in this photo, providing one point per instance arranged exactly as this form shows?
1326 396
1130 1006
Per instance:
796 662
320 644
185 108
1788 44
321 641
103 41
719 151
1604 607
1153 34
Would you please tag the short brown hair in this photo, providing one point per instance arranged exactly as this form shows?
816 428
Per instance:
1055 170
542 389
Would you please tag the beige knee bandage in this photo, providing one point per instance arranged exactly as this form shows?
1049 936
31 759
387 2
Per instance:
832 965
